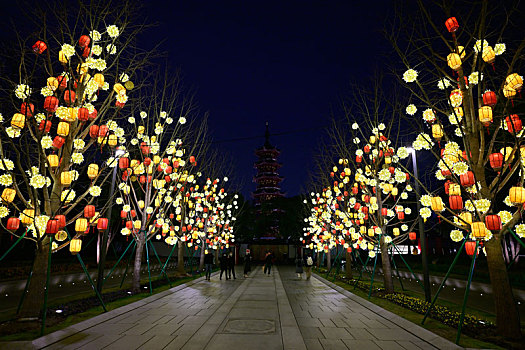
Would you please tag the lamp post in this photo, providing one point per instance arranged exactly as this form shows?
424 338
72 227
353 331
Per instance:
422 236
103 246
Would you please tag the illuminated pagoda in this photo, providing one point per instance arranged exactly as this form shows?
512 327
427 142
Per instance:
267 178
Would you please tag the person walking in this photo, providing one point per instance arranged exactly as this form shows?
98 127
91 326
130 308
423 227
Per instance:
223 262
247 264
268 262
231 266
208 264
308 267
299 267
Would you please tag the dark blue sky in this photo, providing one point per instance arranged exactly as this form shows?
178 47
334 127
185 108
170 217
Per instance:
285 62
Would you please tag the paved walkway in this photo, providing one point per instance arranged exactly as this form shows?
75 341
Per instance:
260 312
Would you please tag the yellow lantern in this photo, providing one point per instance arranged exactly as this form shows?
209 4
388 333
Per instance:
94 220
28 216
454 190
395 191
388 187
81 225
388 160
507 152
137 224
508 92
372 139
437 204
454 61
514 81
92 171
459 112
53 160
18 121
52 83
75 245
488 54
517 195
141 204
82 68
65 178
71 115
119 89
112 140
99 79
465 218
62 57
140 129
371 232
485 114
60 236
461 51
179 217
373 200
8 194
479 230
102 140
395 231
63 129
156 159
437 131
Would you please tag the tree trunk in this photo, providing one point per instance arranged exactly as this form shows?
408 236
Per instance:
348 265
32 305
137 265
328 259
318 262
387 268
201 261
507 316
180 258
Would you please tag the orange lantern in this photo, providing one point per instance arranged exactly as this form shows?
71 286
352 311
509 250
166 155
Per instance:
8 195
89 211
65 178
454 61
28 216
485 115
470 247
18 121
92 171
53 160
102 224
81 225
467 179
455 202
412 236
517 195
452 24
496 161
63 129
478 229
514 81
61 221
436 203
52 227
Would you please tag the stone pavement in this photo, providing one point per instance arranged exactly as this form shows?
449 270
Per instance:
260 312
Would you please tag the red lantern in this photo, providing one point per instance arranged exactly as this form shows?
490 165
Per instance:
447 185
102 224
467 179
93 130
89 211
446 173
496 161
384 211
455 202
86 52
470 247
366 149
103 131
27 109
52 227
452 24
119 104
192 159
358 159
401 215
147 161
62 82
83 114
93 115
45 125
61 221
412 236
13 224
69 96
123 214
123 163
144 148
493 222
58 141
39 47
514 123
142 179
489 98
51 103
84 41
133 213
129 224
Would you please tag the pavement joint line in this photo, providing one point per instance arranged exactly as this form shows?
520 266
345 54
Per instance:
421 333
209 328
55 337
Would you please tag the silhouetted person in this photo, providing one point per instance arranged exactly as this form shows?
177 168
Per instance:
231 266
223 262
299 267
208 263
247 264
308 266
268 259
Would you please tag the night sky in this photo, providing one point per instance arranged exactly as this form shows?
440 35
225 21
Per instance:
285 62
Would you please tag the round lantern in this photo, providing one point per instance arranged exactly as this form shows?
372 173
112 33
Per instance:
496 161
63 129
493 222
39 47
412 236
18 121
61 221
8 195
488 54
52 227
28 216
89 211
13 224
81 225
454 61
485 115
478 229
452 24
102 224
53 160
514 81
467 179
437 204
65 178
489 98
455 202
514 124
92 171
517 195
75 245
470 247
61 236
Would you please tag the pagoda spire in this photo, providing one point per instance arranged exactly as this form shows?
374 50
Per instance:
267 143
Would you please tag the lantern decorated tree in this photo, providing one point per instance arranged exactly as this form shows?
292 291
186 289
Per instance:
467 112
56 135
